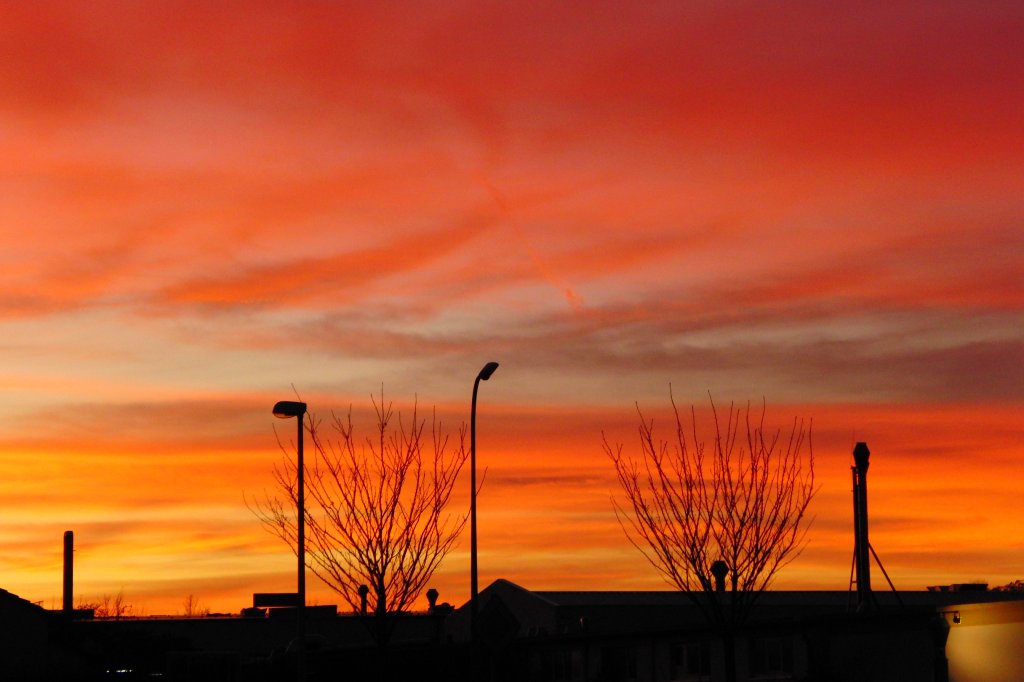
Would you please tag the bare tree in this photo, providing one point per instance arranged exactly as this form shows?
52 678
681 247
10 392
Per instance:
192 608
743 503
110 606
376 506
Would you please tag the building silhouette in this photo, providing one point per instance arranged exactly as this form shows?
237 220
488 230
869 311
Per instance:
960 634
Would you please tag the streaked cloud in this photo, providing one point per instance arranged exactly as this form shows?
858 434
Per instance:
204 206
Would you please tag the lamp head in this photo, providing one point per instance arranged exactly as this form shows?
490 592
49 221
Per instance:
289 408
488 370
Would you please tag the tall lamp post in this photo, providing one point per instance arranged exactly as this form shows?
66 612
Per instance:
484 375
287 409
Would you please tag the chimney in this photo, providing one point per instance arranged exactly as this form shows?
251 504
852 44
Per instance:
862 548
69 571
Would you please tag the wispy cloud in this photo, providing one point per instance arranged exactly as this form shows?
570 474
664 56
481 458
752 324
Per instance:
201 206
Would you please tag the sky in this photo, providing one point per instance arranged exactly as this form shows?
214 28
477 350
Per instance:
209 207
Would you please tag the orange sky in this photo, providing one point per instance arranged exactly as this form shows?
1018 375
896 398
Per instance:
204 205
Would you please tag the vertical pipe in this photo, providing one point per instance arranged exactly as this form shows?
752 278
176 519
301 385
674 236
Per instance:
860 456
69 571
855 569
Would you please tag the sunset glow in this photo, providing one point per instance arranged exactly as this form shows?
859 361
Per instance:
208 207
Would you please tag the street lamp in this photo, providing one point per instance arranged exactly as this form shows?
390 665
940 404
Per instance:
484 375
287 409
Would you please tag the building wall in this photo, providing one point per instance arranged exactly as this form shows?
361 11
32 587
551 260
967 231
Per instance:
986 653
987 645
906 655
877 649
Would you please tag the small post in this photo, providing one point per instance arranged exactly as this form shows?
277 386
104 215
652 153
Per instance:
364 593
719 569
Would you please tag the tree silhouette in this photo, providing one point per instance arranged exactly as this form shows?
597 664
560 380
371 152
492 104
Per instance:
110 606
738 508
375 512
1014 586
192 609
